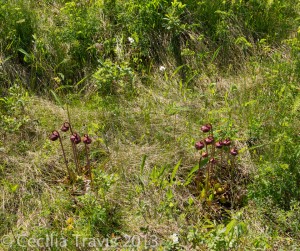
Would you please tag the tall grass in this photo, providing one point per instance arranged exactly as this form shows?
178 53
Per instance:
141 77
59 43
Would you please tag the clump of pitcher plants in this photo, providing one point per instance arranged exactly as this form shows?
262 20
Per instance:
217 156
75 139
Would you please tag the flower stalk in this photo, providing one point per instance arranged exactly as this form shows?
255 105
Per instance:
54 136
75 139
87 140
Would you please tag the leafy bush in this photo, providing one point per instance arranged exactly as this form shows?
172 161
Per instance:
97 217
277 182
67 48
12 107
112 78
219 237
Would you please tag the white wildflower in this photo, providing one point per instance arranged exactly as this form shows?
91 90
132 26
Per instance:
162 68
174 238
131 40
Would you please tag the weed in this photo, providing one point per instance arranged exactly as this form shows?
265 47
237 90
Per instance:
75 140
219 159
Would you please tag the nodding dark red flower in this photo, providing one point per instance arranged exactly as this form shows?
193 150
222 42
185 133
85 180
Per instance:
199 145
54 136
213 160
86 139
234 151
219 144
65 127
227 142
206 128
209 140
204 154
75 138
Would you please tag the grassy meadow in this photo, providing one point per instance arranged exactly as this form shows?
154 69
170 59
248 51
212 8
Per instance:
187 114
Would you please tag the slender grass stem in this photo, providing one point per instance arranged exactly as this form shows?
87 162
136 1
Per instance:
69 119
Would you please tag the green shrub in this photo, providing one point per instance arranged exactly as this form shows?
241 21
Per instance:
18 24
66 47
12 108
219 237
277 182
112 78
